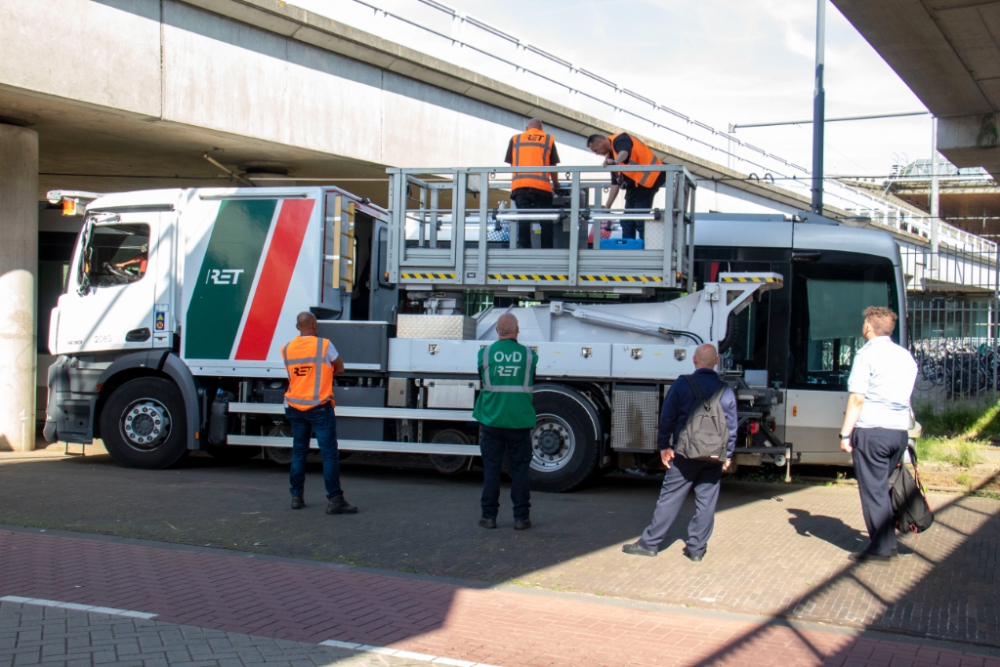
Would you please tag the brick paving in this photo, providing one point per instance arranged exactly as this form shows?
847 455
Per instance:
31 635
231 599
777 550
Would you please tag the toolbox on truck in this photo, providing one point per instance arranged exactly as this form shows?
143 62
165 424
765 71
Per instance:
622 244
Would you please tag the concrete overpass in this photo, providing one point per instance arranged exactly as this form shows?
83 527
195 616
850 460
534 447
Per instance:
109 95
948 53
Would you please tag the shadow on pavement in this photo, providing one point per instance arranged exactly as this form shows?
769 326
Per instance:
828 528
778 550
955 599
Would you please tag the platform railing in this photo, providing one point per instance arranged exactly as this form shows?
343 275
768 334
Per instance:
423 202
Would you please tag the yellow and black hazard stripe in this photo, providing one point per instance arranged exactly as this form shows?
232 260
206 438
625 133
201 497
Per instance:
751 279
428 276
552 277
590 278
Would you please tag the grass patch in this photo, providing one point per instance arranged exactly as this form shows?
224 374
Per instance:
965 455
960 452
971 419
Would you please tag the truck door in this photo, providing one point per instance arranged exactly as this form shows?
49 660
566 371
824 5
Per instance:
111 289
384 296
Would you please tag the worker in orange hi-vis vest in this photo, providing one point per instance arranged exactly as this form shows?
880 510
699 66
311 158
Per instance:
533 148
312 363
640 187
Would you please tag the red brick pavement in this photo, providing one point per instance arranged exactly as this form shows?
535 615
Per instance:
305 602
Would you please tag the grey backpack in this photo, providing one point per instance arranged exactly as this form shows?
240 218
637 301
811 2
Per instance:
705 436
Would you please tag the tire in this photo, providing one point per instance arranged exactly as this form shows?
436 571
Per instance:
280 455
144 425
564 442
231 453
450 464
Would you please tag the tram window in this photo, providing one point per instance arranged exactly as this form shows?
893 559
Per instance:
827 300
115 255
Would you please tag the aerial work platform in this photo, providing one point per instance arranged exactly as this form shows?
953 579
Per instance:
441 241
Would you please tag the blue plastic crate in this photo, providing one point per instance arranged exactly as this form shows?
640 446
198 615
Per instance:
622 244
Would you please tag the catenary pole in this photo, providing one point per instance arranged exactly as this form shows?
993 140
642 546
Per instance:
819 103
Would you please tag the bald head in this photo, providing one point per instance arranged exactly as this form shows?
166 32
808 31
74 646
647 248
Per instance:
706 356
507 326
533 124
305 322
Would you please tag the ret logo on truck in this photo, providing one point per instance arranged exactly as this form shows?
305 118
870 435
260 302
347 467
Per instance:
223 276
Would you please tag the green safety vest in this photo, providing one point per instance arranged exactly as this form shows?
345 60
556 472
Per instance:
507 371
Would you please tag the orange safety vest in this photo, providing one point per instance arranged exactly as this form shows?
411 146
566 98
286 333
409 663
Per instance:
310 378
639 155
532 148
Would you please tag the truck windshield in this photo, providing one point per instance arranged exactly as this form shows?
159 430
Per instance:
827 301
114 254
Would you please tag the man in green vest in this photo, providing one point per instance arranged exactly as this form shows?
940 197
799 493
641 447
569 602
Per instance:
506 414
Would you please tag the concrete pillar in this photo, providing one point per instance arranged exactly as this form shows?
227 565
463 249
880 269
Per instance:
18 269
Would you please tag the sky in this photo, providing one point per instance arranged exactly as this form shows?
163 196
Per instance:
734 61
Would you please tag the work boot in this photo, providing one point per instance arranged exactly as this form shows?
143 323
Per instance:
868 557
486 522
339 505
298 503
691 557
522 525
636 549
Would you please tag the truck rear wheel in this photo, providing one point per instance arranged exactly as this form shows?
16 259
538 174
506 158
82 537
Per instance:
564 441
143 424
450 464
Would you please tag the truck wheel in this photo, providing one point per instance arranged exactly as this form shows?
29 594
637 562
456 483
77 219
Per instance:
231 453
450 464
143 424
564 441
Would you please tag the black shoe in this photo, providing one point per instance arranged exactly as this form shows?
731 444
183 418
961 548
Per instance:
522 525
339 505
298 503
636 549
868 557
487 523
691 557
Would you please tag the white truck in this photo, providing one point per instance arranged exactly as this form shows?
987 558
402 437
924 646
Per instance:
178 302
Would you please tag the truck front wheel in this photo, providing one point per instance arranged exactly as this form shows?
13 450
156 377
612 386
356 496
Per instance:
564 441
143 424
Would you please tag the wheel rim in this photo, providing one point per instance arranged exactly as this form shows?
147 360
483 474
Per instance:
552 444
449 464
145 424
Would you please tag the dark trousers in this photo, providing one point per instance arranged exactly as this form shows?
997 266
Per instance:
493 442
876 453
527 198
639 197
704 477
320 421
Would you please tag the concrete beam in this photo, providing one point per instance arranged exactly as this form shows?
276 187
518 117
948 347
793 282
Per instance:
913 38
971 141
300 25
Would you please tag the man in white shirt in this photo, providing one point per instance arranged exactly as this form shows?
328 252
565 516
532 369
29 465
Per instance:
876 424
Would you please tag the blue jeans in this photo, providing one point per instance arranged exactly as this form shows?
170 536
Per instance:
321 422
493 442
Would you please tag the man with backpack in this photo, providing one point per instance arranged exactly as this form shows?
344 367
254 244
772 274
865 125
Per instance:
696 438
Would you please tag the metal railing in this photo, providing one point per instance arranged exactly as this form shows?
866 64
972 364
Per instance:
953 321
441 221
